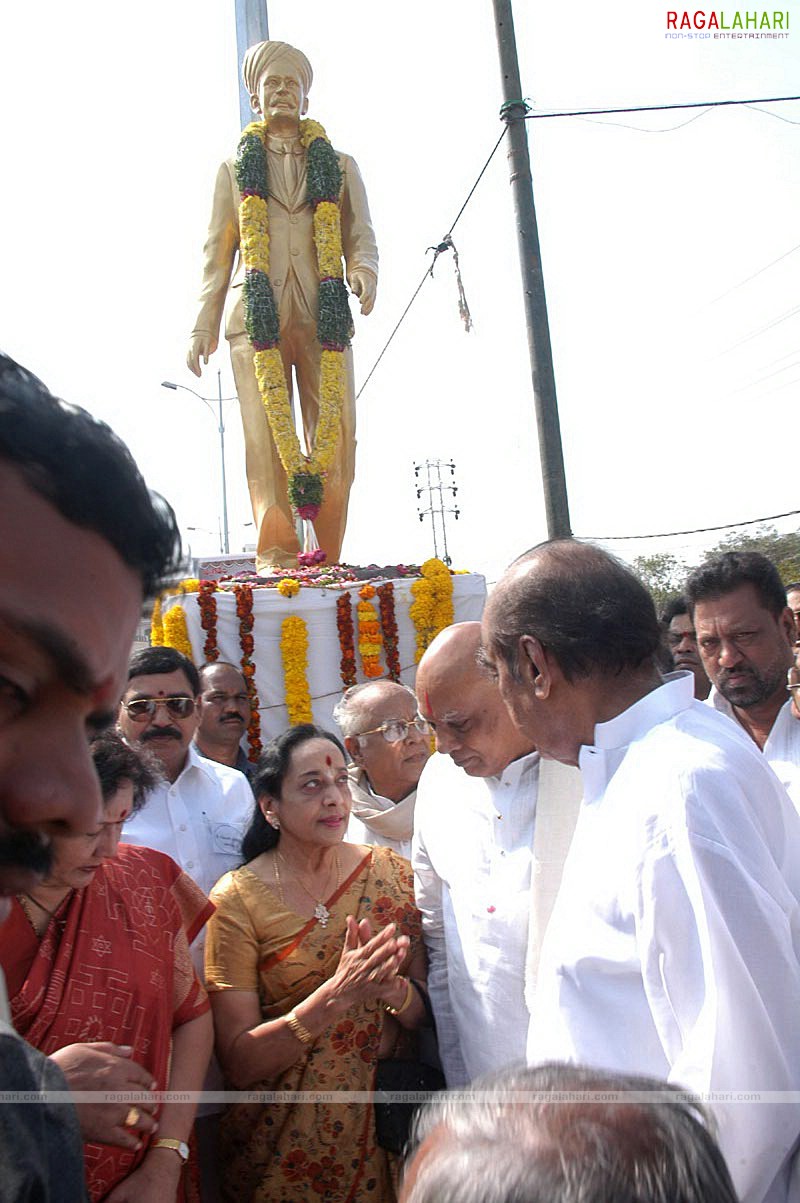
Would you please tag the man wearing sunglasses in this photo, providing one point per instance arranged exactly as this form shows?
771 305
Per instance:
388 743
199 812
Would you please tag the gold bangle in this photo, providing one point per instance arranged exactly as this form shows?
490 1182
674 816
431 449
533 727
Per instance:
298 1029
405 1003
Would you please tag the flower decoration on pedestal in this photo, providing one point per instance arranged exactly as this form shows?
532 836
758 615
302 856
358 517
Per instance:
370 640
344 625
432 608
305 473
157 625
207 605
244 612
288 587
176 632
389 626
294 654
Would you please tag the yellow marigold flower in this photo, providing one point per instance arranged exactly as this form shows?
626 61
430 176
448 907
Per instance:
309 130
190 585
288 587
157 625
328 239
294 645
176 632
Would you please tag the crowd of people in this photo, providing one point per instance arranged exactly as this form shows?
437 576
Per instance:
560 878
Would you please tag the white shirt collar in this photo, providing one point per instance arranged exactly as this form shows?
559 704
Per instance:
673 696
512 773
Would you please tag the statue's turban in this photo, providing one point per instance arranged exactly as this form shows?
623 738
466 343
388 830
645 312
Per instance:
258 58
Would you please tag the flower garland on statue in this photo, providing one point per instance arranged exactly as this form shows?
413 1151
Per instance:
334 321
389 625
344 625
207 605
432 608
294 648
244 612
370 640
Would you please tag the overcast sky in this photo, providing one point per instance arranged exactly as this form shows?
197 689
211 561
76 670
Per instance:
670 244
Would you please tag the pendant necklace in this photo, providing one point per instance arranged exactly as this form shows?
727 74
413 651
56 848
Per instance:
26 899
321 912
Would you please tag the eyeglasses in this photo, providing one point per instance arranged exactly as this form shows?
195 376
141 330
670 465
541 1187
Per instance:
395 729
793 679
143 708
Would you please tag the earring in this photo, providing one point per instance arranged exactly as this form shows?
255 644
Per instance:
273 821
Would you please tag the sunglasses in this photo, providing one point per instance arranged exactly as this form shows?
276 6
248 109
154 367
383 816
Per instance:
143 708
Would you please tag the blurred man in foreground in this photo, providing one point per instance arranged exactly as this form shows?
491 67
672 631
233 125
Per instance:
564 1134
82 543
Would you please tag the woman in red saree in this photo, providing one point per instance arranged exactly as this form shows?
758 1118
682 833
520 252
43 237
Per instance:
99 952
305 997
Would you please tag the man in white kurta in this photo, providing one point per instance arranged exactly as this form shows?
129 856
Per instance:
674 945
473 857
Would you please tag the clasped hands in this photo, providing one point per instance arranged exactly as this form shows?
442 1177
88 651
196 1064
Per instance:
369 965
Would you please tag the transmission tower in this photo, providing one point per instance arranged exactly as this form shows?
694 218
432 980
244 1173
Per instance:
428 480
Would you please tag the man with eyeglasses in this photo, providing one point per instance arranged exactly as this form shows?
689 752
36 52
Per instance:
388 744
745 634
200 811
223 713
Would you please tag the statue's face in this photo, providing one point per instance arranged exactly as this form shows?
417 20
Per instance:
280 92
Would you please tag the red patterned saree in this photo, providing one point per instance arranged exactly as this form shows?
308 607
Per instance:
113 964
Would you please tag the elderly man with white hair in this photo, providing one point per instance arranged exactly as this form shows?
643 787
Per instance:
278 78
388 743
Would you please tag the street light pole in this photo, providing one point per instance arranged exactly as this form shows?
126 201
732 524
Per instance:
225 540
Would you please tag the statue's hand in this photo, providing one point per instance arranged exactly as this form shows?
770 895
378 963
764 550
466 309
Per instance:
364 285
201 344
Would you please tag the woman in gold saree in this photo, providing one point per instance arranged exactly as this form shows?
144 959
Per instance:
314 966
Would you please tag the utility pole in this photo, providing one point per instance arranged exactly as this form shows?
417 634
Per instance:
436 507
541 356
252 25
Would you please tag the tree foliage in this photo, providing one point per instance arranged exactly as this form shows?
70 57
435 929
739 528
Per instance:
783 550
662 573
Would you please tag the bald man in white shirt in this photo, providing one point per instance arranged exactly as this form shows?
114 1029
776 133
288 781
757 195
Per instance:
674 945
474 860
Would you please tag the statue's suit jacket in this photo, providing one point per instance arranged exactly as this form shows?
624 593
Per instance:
291 244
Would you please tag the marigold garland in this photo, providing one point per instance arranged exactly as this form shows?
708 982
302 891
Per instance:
432 608
207 605
370 640
344 625
389 627
334 321
294 649
244 612
157 625
176 632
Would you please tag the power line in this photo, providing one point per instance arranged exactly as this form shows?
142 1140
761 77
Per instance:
429 271
531 116
660 108
699 530
747 279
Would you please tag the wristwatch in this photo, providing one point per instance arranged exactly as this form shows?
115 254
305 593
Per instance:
178 1146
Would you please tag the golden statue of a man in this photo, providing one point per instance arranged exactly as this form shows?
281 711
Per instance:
278 78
